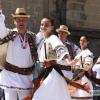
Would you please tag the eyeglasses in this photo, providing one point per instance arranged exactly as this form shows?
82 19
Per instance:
20 19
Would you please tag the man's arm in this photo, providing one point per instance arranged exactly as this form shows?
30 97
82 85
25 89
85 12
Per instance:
3 30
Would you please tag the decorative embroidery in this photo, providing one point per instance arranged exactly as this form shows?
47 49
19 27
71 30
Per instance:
82 97
59 46
24 42
19 88
89 56
9 37
60 50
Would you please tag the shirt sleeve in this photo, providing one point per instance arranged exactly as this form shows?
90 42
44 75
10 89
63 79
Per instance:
88 58
39 38
95 67
76 50
3 30
59 47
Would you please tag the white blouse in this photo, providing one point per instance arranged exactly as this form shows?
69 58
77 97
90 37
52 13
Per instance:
57 46
87 58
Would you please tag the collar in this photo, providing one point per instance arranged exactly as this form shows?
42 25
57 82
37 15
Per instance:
67 42
27 31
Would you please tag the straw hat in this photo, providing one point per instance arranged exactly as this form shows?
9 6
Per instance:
20 12
63 28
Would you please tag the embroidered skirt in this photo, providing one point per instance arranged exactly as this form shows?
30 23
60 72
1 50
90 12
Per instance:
15 81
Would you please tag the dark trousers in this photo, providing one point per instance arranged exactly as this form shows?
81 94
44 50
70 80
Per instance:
96 88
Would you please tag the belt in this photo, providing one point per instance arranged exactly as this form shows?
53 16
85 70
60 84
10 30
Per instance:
15 69
52 62
63 67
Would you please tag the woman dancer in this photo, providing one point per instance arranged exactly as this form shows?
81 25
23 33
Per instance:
82 66
53 85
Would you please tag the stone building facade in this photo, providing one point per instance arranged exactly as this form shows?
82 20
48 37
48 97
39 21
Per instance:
33 7
83 13
81 16
84 16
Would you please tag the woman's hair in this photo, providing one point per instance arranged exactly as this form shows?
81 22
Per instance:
51 20
86 37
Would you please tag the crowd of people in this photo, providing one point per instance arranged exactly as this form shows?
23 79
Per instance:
66 71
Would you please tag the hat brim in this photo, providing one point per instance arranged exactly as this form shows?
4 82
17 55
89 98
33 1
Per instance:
57 30
28 16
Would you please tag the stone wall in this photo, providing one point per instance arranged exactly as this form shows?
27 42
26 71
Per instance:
33 7
83 13
94 38
81 16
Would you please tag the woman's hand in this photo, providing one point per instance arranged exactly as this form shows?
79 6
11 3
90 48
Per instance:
46 64
86 67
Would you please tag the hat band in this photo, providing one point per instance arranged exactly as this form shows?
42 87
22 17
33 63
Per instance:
20 14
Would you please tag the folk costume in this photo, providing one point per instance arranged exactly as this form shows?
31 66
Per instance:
52 76
73 51
86 57
17 75
49 90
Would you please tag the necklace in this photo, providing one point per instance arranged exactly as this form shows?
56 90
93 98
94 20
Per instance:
24 42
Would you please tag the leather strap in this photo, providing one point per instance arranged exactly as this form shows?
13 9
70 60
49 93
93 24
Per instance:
16 69
52 62
67 68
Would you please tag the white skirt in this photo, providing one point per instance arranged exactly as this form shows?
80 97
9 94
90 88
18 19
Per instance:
15 81
54 87
68 74
81 93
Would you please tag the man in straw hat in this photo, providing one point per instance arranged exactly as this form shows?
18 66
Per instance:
17 76
63 33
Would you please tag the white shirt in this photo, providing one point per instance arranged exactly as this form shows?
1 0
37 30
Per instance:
96 68
76 51
16 56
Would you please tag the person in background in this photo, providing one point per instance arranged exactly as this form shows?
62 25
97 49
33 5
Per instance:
90 71
73 50
96 69
81 67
